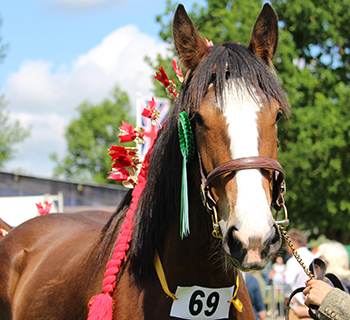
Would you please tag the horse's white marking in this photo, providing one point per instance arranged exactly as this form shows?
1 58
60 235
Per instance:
252 212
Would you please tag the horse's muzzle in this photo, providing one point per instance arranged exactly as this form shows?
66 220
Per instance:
255 255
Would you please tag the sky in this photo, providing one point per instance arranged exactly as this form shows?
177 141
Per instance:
64 52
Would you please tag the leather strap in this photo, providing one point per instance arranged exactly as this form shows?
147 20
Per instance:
246 163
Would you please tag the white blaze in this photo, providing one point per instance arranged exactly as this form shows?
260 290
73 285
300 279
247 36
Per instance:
252 209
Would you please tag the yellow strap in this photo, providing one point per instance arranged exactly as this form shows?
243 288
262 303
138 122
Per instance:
160 272
236 302
161 276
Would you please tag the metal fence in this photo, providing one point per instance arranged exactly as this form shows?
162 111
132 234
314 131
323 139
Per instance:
274 300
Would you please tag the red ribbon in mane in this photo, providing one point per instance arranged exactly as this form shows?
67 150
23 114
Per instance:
101 306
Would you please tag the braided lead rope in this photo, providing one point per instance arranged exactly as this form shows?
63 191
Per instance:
295 253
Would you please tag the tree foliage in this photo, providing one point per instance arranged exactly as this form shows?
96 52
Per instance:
90 136
11 132
312 64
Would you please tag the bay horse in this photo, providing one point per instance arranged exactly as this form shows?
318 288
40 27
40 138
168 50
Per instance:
52 265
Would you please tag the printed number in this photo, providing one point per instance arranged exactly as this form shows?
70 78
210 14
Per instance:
196 304
212 302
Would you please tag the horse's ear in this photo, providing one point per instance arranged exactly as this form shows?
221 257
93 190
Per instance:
264 39
190 47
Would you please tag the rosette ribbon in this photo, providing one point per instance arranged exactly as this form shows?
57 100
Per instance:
186 146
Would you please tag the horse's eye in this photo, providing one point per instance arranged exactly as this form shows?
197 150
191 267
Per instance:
213 78
279 116
199 120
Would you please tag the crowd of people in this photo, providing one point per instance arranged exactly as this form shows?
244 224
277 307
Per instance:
284 274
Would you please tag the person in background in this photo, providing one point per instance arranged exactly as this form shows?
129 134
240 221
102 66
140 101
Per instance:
334 304
295 277
277 272
255 295
337 259
276 276
266 271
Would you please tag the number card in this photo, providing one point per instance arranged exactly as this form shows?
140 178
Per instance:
202 303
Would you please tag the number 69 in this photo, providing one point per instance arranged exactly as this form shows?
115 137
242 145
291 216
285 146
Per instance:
196 303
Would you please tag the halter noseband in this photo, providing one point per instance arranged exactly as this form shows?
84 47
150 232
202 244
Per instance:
246 163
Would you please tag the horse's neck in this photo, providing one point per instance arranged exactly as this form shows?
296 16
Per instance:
194 260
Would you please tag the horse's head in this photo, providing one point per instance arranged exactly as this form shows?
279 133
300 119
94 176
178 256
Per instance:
235 102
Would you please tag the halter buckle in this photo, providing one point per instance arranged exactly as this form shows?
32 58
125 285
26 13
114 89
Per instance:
283 223
203 196
216 227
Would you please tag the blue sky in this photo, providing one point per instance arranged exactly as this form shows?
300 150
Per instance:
64 52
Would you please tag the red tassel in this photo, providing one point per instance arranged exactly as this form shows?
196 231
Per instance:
101 307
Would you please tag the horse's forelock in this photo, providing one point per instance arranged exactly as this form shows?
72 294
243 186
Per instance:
236 62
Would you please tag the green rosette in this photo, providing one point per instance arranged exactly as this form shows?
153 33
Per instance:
186 146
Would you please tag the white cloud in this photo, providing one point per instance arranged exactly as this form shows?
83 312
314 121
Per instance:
47 136
45 96
119 59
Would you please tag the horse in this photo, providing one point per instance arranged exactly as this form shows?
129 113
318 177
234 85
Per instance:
52 265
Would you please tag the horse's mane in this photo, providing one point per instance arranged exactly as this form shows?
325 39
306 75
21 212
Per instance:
161 196
236 62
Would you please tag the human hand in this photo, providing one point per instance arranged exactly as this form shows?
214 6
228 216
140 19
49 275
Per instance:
315 291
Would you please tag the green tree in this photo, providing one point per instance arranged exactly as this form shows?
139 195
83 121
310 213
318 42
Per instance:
313 63
313 67
90 136
10 132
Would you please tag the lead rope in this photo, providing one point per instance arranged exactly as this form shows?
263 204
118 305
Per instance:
162 279
295 253
283 228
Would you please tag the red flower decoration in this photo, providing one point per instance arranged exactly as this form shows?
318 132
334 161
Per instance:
42 210
116 151
129 133
119 175
121 162
125 175
178 71
171 90
170 86
162 77
124 162
208 43
3 232
151 112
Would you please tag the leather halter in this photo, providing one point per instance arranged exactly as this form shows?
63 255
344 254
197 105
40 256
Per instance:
233 166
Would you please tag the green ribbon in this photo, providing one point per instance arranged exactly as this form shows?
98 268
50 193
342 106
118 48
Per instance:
186 146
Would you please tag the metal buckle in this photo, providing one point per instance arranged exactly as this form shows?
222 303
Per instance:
203 197
216 227
283 223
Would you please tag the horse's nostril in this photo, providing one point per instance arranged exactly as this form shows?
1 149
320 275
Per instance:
235 248
273 236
